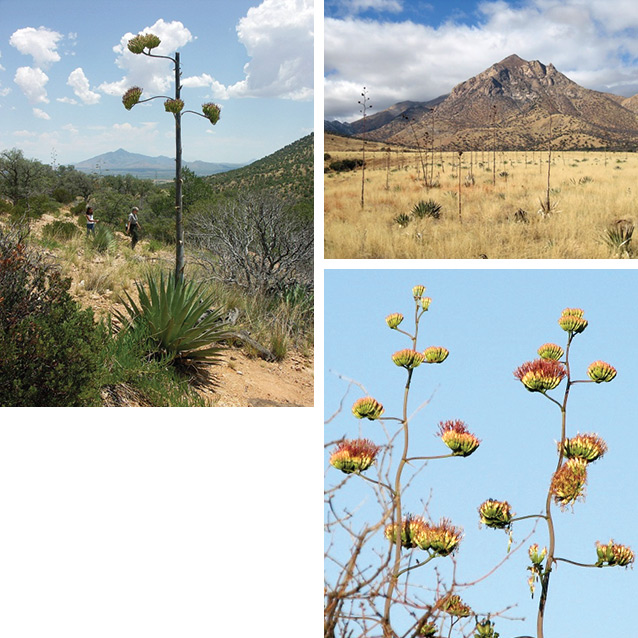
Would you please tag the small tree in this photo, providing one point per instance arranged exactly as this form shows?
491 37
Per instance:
144 44
364 107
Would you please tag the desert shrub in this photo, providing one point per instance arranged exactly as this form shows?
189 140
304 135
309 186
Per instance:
427 209
257 242
63 195
104 240
60 230
51 349
402 220
618 237
182 326
345 165
79 209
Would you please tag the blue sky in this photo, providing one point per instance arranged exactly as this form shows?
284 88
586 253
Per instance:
419 50
61 80
492 321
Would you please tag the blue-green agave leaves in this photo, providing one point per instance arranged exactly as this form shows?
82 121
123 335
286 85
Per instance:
179 318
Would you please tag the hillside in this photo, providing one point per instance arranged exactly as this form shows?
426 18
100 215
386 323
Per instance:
288 170
512 105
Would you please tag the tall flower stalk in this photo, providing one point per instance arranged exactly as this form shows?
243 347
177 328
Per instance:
143 44
567 485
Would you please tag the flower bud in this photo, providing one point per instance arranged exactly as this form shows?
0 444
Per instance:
418 291
173 106
453 605
407 358
551 351
600 372
414 530
613 554
425 302
367 408
136 44
485 629
535 556
428 630
435 354
443 539
354 456
394 320
151 41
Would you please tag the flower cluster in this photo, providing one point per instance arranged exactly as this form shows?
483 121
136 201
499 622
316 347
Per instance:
394 320
131 97
435 354
212 112
485 629
143 41
354 456
428 630
572 320
442 539
496 514
568 482
367 408
453 605
600 372
541 375
536 556
613 554
588 447
173 106
457 437
551 351
408 358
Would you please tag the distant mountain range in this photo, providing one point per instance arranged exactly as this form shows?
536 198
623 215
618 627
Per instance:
122 162
507 106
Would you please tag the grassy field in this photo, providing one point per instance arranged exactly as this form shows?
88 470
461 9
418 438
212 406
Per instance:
589 193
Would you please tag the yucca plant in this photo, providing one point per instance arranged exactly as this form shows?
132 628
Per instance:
178 317
427 209
104 240
402 219
618 236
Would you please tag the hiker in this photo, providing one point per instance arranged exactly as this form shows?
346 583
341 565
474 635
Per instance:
133 227
90 221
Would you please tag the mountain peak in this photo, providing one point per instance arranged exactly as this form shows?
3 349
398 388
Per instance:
512 61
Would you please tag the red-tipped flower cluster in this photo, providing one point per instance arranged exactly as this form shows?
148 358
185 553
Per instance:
568 483
394 320
453 605
435 354
131 97
442 539
173 106
588 447
572 320
458 438
541 375
408 358
354 456
212 112
600 372
551 351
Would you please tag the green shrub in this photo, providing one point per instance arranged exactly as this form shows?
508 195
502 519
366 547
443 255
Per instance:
51 351
60 230
181 325
345 165
104 240
63 195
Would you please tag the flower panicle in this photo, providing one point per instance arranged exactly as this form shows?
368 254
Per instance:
551 351
601 372
408 358
588 447
572 320
394 320
212 112
496 514
435 354
131 97
568 482
453 605
613 554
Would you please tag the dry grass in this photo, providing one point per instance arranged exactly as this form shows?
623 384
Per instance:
590 192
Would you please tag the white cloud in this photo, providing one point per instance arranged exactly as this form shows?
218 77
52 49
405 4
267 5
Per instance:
32 82
70 128
153 75
39 113
80 85
40 43
278 36
407 61
66 100
358 6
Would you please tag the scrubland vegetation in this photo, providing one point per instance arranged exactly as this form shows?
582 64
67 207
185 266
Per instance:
86 320
483 213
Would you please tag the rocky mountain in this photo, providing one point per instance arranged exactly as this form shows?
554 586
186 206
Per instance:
514 104
122 162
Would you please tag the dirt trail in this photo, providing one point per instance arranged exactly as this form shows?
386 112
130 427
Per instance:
239 380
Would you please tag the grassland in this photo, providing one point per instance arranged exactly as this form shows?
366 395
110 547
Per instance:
589 193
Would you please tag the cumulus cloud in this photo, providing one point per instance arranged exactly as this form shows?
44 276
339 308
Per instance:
32 82
39 113
278 37
80 85
40 43
155 76
408 61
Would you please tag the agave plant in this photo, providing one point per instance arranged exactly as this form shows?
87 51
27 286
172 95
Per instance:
182 326
618 236
427 209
